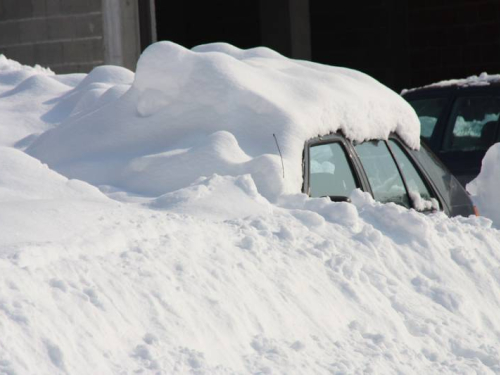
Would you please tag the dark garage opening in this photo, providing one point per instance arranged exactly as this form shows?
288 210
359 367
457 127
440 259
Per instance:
190 22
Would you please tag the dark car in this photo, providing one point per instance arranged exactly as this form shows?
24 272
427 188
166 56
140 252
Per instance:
459 122
390 171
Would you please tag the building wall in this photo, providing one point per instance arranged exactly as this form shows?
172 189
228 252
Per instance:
65 35
122 45
70 35
402 43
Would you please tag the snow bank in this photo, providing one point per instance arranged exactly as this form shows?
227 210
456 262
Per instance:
25 178
19 84
485 188
208 197
13 72
214 110
32 200
311 287
36 100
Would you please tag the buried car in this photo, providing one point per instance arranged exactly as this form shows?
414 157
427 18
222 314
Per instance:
387 169
459 120
221 110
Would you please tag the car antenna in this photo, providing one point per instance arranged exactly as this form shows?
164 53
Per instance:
277 145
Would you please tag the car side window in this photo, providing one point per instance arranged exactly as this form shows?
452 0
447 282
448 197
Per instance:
428 112
414 181
473 124
382 172
329 171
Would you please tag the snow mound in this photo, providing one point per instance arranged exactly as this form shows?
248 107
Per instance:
485 188
12 72
100 87
484 79
189 105
19 86
108 74
209 198
25 178
58 97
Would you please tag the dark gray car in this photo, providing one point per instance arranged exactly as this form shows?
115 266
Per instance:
334 166
459 123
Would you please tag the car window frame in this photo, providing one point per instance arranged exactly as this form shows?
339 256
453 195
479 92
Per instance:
398 167
361 182
416 155
420 171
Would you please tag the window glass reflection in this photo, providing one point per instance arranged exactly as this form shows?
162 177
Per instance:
474 123
330 173
382 172
428 112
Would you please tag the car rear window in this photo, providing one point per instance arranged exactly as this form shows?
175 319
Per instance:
428 112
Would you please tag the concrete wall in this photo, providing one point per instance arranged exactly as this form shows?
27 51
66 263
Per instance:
69 35
121 32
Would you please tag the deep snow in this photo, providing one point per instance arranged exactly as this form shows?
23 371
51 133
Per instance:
213 277
485 188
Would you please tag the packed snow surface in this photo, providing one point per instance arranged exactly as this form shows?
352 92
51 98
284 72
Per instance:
215 109
209 275
484 79
485 188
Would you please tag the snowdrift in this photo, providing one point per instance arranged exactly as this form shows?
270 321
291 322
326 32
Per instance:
307 287
214 110
208 275
485 188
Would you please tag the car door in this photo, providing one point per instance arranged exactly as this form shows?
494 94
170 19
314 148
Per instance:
329 170
334 167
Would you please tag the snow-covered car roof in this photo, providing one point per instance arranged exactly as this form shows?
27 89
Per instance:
215 109
484 79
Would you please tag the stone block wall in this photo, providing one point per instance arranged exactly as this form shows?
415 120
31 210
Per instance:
70 35
65 35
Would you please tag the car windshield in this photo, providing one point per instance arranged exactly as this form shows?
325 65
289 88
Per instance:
428 112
